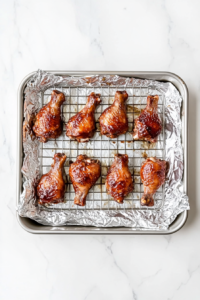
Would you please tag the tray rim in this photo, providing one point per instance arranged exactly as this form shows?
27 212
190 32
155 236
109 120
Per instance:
34 227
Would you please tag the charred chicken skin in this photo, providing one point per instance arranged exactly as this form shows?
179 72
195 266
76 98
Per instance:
48 123
119 182
148 125
51 187
114 121
82 126
84 172
152 174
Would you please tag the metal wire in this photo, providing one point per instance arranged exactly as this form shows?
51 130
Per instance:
103 148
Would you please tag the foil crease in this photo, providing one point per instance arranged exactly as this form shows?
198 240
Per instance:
175 200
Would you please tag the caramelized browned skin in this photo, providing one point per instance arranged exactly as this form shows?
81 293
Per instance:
153 176
51 187
82 126
148 125
84 172
48 122
119 182
114 121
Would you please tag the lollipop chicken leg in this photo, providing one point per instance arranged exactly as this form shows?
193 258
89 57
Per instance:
84 172
119 182
148 125
48 123
152 174
82 126
114 121
51 187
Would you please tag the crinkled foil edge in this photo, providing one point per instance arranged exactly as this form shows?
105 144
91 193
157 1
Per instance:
175 200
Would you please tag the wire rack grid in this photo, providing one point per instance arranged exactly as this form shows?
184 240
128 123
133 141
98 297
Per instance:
103 148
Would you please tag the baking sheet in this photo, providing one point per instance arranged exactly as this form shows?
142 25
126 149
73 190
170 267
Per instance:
100 210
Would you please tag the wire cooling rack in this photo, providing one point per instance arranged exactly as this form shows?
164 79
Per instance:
103 148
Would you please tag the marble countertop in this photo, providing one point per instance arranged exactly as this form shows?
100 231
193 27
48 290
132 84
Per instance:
97 35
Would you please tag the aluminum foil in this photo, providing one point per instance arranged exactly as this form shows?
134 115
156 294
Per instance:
175 201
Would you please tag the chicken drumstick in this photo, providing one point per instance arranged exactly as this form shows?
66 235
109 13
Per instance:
84 172
114 121
119 182
152 174
48 123
148 125
82 126
51 187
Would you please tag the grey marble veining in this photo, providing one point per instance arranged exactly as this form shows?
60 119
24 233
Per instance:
92 35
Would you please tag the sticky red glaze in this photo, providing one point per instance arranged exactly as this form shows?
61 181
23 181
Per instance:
153 176
82 126
114 121
119 182
84 172
152 124
51 187
48 122
148 125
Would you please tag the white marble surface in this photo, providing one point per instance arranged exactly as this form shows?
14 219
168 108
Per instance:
92 35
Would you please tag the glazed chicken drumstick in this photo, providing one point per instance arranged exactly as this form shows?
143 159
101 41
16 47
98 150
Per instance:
51 187
148 125
152 174
84 172
82 126
114 121
119 182
48 123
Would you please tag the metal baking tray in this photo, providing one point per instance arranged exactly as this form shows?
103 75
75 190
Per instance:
102 203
